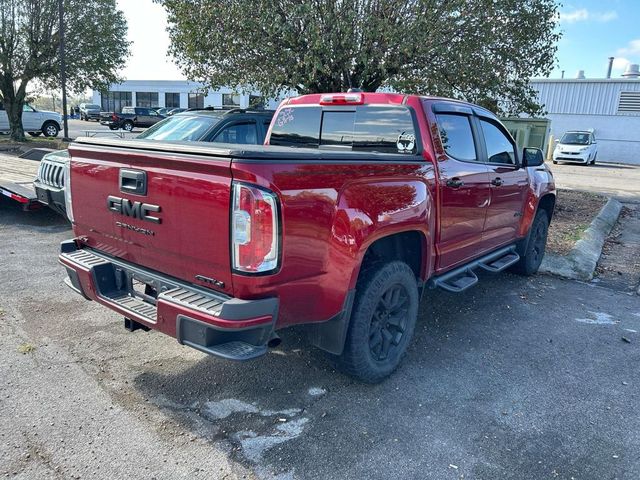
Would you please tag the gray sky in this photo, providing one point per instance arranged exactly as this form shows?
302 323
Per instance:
149 61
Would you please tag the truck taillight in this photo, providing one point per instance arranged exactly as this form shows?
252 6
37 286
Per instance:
254 229
114 117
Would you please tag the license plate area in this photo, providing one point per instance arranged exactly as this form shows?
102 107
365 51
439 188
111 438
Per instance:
138 286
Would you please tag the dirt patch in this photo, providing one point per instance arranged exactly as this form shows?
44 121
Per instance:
573 213
619 265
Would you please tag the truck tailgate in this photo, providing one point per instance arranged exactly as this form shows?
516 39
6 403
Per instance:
167 211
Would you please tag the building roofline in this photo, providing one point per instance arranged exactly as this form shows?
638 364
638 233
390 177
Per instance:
585 80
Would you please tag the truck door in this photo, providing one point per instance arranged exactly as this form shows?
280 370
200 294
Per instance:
464 189
508 184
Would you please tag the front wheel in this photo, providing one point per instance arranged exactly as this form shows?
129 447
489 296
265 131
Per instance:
50 129
128 126
382 322
531 259
593 161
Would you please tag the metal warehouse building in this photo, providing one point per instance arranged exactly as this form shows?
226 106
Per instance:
611 107
172 94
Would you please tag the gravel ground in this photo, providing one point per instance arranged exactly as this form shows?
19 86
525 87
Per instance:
518 378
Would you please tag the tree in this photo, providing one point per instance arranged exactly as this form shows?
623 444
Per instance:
483 51
96 47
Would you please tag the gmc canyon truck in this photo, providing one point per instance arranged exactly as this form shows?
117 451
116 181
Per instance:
355 205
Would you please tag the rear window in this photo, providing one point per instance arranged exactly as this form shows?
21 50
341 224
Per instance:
384 129
181 128
128 110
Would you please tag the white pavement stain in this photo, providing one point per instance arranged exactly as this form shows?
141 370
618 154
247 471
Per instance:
316 391
254 445
598 318
224 408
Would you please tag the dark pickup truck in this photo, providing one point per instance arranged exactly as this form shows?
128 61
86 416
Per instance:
360 202
130 117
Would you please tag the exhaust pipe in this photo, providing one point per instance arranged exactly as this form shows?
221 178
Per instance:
274 341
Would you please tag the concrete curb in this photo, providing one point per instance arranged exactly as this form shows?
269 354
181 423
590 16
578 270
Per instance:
581 261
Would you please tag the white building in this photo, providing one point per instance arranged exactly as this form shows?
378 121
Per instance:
611 107
172 94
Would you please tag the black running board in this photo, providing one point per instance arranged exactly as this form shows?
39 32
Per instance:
461 278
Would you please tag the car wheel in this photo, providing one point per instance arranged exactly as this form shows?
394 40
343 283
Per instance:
128 126
593 161
531 259
111 127
555 162
382 322
50 129
35 134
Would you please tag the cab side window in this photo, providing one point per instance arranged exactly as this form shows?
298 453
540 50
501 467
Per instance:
457 137
499 146
245 133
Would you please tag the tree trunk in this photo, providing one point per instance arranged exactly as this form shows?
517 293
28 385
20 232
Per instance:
13 104
14 112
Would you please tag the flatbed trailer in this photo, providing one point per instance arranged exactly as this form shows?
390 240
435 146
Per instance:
16 180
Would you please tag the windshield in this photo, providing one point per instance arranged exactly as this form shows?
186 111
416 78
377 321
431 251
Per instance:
181 128
92 107
575 138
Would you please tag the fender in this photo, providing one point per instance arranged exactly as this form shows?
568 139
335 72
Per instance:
541 183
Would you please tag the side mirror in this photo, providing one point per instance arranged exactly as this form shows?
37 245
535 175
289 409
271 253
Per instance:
532 157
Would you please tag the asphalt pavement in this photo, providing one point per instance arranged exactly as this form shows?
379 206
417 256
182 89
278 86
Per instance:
517 378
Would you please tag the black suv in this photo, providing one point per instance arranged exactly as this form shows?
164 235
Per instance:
130 117
213 125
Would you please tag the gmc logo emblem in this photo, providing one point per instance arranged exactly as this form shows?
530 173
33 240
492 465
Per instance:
137 210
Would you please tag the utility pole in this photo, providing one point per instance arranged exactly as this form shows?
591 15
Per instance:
63 73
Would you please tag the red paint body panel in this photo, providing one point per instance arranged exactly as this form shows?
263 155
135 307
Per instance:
330 213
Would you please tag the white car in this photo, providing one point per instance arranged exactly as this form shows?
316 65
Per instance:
576 146
35 122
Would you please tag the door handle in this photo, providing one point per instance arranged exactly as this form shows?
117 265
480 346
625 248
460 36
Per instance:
455 182
497 181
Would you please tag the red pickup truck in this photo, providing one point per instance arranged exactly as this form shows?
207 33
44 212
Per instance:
358 202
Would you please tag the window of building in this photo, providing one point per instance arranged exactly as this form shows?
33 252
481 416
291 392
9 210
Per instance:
172 100
147 99
230 100
115 101
246 133
499 146
456 137
256 101
629 103
196 100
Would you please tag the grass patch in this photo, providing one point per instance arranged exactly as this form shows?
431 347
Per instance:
25 348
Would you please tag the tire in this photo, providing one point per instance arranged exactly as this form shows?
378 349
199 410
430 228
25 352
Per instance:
531 259
111 127
555 162
127 126
35 134
382 322
593 162
50 129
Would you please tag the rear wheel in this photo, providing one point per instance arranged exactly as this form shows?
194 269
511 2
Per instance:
593 161
35 134
532 257
555 162
50 129
111 127
382 322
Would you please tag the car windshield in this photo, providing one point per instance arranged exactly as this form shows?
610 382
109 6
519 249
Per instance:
575 138
181 128
92 107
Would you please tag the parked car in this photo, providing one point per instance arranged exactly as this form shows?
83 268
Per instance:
35 122
173 111
130 117
49 182
89 111
359 202
162 111
220 126
576 146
